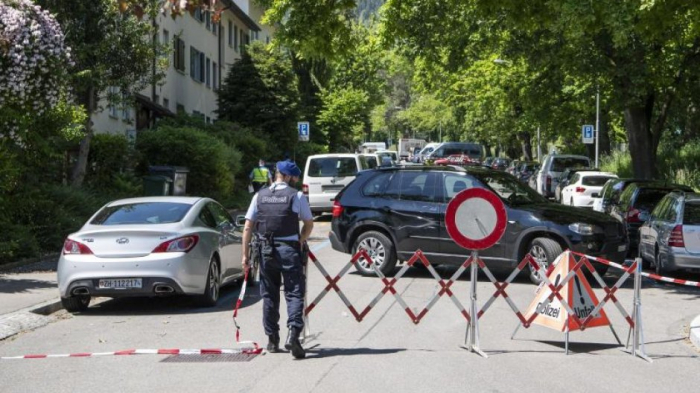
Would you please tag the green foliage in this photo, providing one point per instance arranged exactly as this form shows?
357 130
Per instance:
210 161
342 117
37 218
109 156
260 92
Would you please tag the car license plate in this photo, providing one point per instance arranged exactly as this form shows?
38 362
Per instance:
120 283
622 247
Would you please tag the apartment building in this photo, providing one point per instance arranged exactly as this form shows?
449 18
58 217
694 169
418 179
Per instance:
201 56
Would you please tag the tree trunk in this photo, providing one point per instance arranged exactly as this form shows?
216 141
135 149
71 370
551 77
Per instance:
80 167
526 143
641 142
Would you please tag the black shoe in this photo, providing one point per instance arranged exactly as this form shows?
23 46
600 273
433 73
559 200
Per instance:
294 345
273 343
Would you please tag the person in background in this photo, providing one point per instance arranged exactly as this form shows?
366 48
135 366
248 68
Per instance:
274 215
260 176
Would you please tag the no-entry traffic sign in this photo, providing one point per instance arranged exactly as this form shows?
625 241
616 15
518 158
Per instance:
476 219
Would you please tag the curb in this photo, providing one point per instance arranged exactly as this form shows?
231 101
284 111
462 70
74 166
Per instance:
694 332
28 319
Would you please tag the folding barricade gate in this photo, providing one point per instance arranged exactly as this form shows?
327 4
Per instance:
473 314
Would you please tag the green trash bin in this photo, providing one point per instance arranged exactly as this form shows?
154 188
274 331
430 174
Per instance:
156 185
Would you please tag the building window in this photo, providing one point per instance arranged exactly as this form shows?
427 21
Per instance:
208 72
197 71
180 108
267 39
235 38
166 103
247 39
156 99
208 120
207 17
214 75
230 34
112 96
214 27
166 37
198 115
179 54
198 14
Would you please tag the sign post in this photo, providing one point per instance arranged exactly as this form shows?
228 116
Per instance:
588 134
304 130
475 219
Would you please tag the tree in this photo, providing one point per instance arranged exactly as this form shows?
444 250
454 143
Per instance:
260 92
110 48
640 53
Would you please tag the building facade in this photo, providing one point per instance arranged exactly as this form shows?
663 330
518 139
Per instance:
201 55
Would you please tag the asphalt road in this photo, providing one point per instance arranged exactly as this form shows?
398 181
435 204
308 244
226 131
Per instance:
386 352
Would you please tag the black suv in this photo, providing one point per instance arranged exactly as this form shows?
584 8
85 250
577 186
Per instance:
393 212
636 203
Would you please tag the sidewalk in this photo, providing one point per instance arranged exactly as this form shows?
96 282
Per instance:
27 294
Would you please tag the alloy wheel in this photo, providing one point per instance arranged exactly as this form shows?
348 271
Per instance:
375 249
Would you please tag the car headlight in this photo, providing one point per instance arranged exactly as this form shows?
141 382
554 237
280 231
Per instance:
582 229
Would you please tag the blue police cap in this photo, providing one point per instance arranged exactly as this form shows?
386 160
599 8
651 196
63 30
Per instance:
288 168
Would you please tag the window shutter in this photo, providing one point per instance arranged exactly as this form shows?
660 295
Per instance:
193 57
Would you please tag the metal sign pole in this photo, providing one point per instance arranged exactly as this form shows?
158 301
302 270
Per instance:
473 327
637 331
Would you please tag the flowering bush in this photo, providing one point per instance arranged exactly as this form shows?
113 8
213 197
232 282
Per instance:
33 58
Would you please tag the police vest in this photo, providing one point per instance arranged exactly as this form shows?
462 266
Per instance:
260 175
275 214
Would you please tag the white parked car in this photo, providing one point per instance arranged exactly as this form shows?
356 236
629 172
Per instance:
151 246
585 187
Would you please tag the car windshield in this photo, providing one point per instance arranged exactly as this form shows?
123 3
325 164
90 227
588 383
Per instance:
509 188
142 213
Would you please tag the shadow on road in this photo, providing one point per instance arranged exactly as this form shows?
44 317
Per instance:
330 352
23 285
173 304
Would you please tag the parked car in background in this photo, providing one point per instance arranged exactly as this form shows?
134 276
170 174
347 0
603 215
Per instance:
500 163
393 212
564 180
635 204
525 170
326 174
420 157
553 165
488 161
151 246
610 194
513 166
584 188
670 239
383 155
456 159
446 149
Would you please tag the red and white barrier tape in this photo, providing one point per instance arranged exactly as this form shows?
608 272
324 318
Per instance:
648 275
256 350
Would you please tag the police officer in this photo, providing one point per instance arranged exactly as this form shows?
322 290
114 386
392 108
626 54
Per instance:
273 216
260 176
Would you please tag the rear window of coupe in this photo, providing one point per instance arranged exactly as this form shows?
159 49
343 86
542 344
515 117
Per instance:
332 167
142 213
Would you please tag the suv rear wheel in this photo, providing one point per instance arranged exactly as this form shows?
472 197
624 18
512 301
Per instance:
380 249
545 251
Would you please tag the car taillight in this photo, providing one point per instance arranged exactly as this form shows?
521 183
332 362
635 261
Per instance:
633 215
181 244
73 247
676 237
580 189
337 209
305 189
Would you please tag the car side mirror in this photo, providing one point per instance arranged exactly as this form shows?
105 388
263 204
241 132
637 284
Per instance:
240 221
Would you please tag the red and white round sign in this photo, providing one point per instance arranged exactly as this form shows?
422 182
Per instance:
476 219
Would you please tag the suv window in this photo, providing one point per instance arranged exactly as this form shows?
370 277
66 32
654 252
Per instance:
454 183
626 197
220 215
691 213
647 198
559 164
412 186
660 212
332 167
377 185
509 188
574 178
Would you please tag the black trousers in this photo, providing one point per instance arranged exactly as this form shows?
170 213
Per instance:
282 264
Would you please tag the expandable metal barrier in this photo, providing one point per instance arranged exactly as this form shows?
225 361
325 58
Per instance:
475 263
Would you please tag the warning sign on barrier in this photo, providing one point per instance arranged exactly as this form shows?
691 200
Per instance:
576 292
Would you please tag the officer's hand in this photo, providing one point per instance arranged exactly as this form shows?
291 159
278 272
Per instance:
245 264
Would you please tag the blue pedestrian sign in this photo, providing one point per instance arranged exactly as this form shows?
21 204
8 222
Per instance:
588 133
303 127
